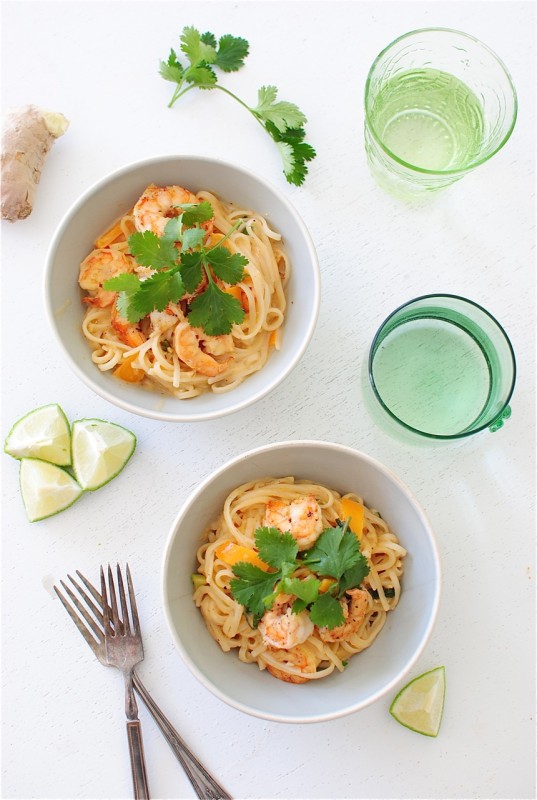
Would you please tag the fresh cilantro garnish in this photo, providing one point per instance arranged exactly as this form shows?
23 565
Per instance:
282 120
275 548
336 553
251 587
326 612
214 310
336 550
180 261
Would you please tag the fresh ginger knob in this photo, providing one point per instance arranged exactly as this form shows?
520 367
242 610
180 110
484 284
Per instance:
29 133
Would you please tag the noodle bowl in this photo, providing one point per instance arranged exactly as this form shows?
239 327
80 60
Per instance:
150 352
321 653
372 672
112 197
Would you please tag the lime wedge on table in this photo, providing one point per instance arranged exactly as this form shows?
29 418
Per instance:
46 488
42 433
419 704
100 451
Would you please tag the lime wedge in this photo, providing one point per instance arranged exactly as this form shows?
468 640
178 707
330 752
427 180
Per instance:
419 704
43 433
100 451
46 488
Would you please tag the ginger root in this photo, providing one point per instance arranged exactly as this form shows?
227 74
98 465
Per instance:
29 133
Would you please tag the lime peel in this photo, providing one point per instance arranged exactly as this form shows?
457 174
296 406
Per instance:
100 450
46 488
420 704
42 433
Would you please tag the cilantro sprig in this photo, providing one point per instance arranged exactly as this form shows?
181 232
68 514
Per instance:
336 554
181 261
282 120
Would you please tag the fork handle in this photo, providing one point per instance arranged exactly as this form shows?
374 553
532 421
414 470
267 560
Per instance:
204 784
136 750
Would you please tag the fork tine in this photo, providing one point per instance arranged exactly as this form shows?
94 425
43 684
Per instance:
91 589
113 601
78 622
123 601
90 622
132 598
106 608
95 610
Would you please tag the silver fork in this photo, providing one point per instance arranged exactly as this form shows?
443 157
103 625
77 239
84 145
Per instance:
124 649
91 626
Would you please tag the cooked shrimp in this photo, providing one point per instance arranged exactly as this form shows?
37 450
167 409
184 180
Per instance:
162 321
159 204
301 518
281 628
98 267
354 611
128 332
193 346
300 658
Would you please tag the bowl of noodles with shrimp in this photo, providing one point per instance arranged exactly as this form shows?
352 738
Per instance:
182 288
301 581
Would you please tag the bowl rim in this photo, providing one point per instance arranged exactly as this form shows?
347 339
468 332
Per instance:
348 709
181 416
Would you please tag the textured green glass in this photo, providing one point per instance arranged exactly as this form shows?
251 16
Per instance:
429 118
441 366
438 103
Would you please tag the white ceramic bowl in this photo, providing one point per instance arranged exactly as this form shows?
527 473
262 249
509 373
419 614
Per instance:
370 674
106 201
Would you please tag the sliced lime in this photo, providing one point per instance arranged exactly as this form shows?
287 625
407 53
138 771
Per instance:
100 451
46 488
419 704
42 433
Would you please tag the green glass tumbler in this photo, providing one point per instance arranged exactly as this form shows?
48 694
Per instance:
438 103
442 367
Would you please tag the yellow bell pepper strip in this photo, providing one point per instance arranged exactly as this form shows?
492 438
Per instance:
115 232
356 512
326 583
127 372
233 553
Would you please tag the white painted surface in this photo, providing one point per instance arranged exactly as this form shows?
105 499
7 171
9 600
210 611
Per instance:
63 729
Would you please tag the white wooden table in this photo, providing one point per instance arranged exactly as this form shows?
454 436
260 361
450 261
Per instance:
62 719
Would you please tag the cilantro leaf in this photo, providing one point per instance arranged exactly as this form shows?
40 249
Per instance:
232 50
251 587
125 307
126 282
151 251
275 547
209 38
173 229
171 70
191 270
202 76
195 48
281 114
157 291
306 590
225 265
196 213
326 612
354 576
294 152
335 551
192 238
282 120
127 285
215 311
